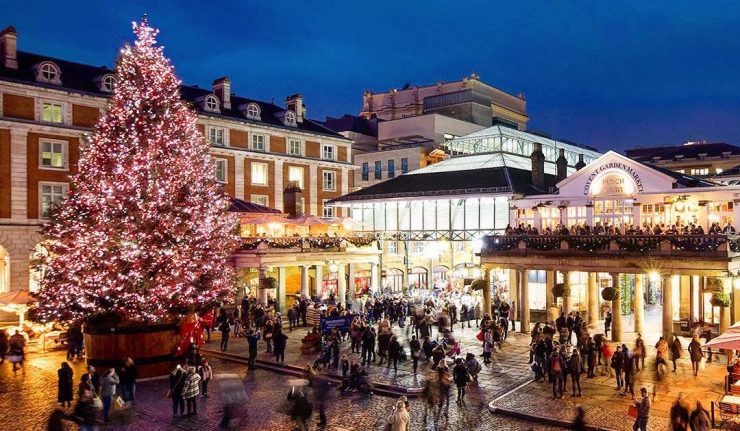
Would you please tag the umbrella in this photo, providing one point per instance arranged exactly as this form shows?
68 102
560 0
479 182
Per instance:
308 220
734 328
17 301
728 340
269 218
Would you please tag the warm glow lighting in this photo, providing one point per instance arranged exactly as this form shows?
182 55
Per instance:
736 283
333 267
654 276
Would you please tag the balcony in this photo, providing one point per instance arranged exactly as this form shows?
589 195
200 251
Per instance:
264 245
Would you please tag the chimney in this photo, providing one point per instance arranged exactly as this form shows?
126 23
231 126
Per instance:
292 196
562 166
222 90
294 102
538 166
8 41
581 163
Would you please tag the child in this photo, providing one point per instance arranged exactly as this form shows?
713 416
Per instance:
345 365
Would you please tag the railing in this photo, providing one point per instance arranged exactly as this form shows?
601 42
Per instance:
728 245
304 244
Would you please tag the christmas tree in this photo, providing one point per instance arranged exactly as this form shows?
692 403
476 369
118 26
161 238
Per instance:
143 232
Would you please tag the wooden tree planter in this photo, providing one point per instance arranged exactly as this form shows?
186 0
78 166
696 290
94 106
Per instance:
151 347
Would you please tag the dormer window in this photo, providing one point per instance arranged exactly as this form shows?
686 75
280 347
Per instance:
253 111
107 83
211 103
290 119
48 72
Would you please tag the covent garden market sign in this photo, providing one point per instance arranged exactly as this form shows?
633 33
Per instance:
614 179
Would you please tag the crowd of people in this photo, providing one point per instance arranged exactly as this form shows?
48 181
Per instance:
608 229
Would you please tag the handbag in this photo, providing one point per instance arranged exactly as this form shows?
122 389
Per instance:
98 403
632 411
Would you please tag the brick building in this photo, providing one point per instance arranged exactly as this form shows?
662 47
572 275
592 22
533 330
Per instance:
49 105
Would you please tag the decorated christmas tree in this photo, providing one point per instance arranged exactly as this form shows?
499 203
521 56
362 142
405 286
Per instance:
143 234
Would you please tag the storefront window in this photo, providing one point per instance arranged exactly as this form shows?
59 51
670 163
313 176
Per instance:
576 216
500 283
720 212
537 289
617 213
549 217
578 282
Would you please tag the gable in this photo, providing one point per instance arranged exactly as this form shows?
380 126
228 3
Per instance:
615 175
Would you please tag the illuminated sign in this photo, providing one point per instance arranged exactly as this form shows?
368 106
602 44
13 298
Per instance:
613 183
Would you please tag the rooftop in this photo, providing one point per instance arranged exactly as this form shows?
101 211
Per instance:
691 150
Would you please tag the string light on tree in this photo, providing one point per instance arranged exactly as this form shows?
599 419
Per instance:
143 232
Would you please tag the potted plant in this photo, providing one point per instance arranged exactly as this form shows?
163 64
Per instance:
720 298
478 284
561 290
269 283
609 293
143 238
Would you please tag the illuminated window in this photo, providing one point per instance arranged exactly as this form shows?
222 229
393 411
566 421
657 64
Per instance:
699 171
295 174
53 154
258 142
392 247
294 147
537 289
259 174
50 195
221 172
51 112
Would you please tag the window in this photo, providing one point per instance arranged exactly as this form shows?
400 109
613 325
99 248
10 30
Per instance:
258 142
211 103
221 172
294 147
378 170
260 200
290 118
53 154
50 195
700 171
404 165
253 111
48 72
259 174
365 171
328 152
718 171
391 168
107 83
330 180
418 247
217 136
327 211
537 289
392 247
295 174
51 112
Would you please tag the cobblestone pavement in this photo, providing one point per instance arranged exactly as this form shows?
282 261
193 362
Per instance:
509 369
28 397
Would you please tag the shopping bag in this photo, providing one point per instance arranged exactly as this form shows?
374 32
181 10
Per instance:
480 336
118 403
632 411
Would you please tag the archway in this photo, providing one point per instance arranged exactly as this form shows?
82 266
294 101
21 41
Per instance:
418 278
393 279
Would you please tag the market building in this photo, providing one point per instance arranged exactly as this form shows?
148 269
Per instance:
677 270
48 106
430 221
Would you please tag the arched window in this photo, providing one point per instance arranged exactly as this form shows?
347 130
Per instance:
253 111
211 103
48 72
107 83
290 118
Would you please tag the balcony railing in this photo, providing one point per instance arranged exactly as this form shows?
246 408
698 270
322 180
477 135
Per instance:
709 245
305 244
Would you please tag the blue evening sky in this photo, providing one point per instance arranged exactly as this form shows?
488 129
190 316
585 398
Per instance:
613 74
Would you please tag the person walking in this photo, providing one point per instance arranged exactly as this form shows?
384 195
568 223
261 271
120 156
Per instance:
700 420
628 361
675 351
17 345
591 358
176 384
607 323
301 411
129 373
415 349
394 352
616 364
512 315
206 374
557 369
575 371
65 391
253 338
223 326
279 341
695 354
487 346
107 390
639 353
461 377
661 356
643 410
400 419
191 390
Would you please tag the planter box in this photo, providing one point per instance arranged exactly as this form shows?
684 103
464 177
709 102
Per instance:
152 347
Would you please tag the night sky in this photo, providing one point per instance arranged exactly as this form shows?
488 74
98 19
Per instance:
614 75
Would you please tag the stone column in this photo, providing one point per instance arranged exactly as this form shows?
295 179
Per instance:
524 305
724 312
262 291
374 279
487 289
304 282
566 299
593 300
319 279
282 284
639 302
616 310
341 284
667 307
351 281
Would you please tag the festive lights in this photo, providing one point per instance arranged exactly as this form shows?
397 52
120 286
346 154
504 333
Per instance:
143 232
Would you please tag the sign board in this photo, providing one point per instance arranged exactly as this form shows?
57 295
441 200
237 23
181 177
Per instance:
617 178
342 323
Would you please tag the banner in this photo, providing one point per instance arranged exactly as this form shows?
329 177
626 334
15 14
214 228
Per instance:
341 323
